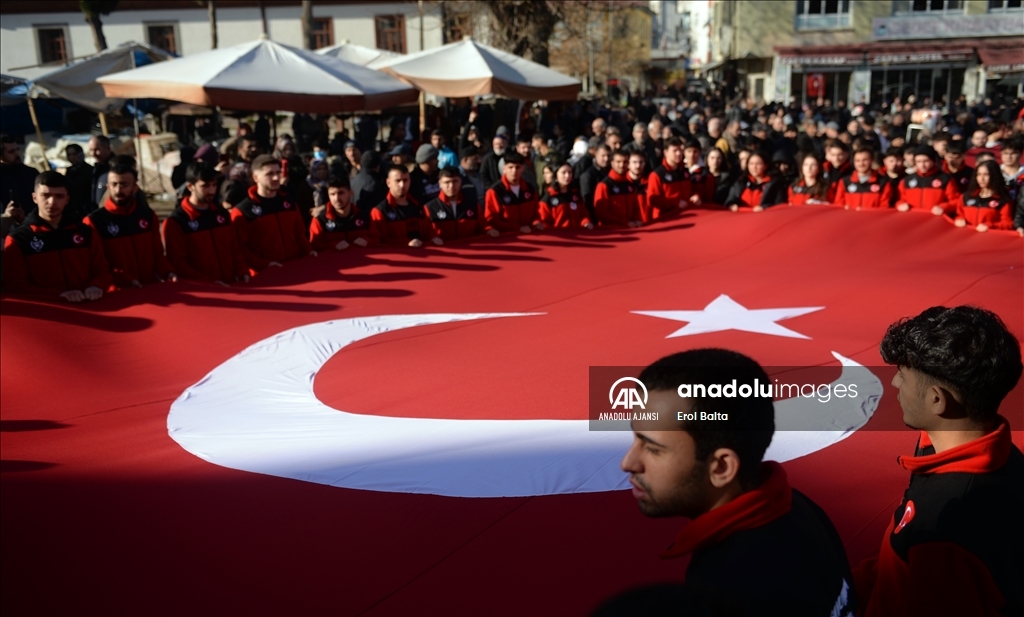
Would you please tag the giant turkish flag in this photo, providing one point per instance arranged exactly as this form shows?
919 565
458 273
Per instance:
300 445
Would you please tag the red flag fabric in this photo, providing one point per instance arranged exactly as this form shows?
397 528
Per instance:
815 84
106 511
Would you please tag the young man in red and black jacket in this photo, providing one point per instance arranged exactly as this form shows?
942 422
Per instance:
702 183
864 189
953 165
512 204
617 200
668 186
51 257
130 233
927 189
955 543
837 163
754 539
341 224
399 220
455 214
201 244
269 228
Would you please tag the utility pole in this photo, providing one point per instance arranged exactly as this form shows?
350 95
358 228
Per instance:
423 102
611 40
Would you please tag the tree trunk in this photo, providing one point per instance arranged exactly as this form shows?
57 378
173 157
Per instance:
211 10
307 25
98 38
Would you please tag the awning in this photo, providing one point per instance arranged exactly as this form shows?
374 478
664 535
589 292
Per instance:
1002 59
710 66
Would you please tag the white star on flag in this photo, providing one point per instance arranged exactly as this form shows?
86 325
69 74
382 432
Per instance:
724 313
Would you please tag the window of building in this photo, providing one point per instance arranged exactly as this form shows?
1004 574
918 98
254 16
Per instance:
928 7
687 19
1001 6
390 32
323 32
822 14
53 44
458 27
163 36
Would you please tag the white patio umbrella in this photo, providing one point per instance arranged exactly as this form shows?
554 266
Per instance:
357 54
263 76
467 68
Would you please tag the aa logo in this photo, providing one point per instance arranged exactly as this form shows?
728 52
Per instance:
623 394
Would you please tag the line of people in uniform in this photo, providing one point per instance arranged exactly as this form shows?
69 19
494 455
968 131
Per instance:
122 243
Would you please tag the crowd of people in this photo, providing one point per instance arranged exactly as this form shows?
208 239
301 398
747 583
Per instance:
243 208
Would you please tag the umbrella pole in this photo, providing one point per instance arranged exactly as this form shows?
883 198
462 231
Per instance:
423 115
138 138
103 124
39 131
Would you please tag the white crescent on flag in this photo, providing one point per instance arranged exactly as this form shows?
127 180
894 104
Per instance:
257 412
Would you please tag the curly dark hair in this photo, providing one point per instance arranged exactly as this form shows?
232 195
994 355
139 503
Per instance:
965 348
751 420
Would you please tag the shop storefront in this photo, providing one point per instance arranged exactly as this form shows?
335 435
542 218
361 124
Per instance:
874 72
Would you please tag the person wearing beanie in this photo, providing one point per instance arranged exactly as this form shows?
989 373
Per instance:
928 189
424 175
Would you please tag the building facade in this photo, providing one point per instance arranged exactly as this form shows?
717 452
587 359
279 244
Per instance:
680 38
869 51
41 36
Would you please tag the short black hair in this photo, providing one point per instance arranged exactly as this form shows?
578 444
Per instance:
691 143
49 179
672 141
7 139
263 160
124 159
339 182
864 148
955 146
120 168
897 152
623 152
197 170
524 139
449 172
394 167
965 348
514 158
437 132
751 421
74 148
925 151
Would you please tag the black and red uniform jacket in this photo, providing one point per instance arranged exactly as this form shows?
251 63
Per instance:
456 221
506 211
702 183
201 245
993 211
961 179
131 242
771 549
833 175
750 192
564 210
798 194
873 194
925 192
618 200
269 230
666 187
45 262
955 544
397 225
329 228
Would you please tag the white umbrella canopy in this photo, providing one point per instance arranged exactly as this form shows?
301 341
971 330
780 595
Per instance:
357 54
77 82
467 68
263 76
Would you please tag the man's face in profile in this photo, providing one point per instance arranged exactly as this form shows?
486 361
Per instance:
662 466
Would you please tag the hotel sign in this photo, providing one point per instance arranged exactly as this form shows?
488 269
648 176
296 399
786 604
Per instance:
879 58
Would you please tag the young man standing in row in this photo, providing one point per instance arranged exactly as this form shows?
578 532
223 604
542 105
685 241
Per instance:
512 203
955 543
756 542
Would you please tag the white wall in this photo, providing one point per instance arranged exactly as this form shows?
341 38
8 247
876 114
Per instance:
353 22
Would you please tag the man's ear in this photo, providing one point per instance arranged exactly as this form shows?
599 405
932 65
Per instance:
723 467
940 401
